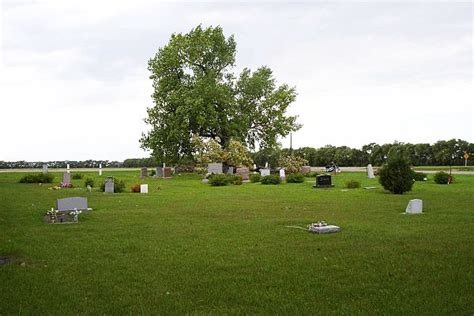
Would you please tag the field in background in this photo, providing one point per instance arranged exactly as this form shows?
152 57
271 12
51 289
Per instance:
187 247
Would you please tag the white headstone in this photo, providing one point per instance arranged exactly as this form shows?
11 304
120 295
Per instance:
215 167
370 171
266 165
414 207
100 169
45 169
143 188
282 173
67 167
264 172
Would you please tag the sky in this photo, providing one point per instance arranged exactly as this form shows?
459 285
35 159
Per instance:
74 83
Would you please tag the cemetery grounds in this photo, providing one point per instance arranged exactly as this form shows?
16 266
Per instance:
189 248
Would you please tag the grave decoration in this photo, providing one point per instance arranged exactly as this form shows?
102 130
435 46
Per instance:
322 227
323 181
56 217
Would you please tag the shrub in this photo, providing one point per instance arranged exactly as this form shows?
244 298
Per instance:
271 179
396 176
153 172
135 188
237 179
90 182
352 184
419 176
442 178
77 176
119 186
37 178
255 177
217 180
295 178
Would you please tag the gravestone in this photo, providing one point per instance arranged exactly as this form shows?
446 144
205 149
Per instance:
89 188
100 169
414 207
72 203
264 172
144 172
45 169
282 174
323 181
159 172
67 168
143 188
324 229
230 170
244 172
66 179
167 172
109 185
370 171
305 169
214 167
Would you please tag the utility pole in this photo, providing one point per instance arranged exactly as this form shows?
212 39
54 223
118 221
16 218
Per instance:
291 142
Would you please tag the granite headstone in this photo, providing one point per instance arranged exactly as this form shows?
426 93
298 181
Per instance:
109 185
72 203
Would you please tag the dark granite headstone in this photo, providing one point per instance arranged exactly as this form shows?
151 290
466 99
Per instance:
72 203
323 181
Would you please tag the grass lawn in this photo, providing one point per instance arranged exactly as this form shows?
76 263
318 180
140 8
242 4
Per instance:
188 248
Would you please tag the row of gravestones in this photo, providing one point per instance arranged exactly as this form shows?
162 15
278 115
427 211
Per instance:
161 172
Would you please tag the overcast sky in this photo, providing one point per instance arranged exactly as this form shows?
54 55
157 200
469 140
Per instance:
74 82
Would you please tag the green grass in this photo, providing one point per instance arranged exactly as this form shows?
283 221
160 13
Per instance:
189 248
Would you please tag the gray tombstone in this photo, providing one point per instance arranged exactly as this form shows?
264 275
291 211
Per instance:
72 203
215 167
414 207
66 179
45 169
230 170
109 185
144 172
370 171
264 172
159 172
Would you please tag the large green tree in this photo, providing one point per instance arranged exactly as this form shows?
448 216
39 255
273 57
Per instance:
196 93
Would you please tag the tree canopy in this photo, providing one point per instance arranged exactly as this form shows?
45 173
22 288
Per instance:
196 93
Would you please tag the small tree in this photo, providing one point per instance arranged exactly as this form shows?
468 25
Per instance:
235 154
292 164
396 176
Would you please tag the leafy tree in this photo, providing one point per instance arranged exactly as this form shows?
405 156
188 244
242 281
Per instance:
396 175
235 154
195 92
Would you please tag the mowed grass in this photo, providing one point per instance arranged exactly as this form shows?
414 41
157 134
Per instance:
188 248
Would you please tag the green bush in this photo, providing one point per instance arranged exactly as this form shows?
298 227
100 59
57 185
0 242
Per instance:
77 176
295 178
396 176
419 176
271 179
90 182
218 180
352 184
37 178
442 178
255 177
119 186
153 172
237 179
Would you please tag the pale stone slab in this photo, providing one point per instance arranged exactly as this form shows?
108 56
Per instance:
214 167
143 188
159 172
244 172
230 170
109 185
282 174
66 178
370 171
325 229
414 206
264 172
45 169
72 203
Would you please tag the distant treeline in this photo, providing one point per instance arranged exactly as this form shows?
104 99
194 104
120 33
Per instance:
59 164
441 153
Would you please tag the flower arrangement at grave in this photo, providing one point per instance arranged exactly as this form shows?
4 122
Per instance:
52 215
75 215
66 185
